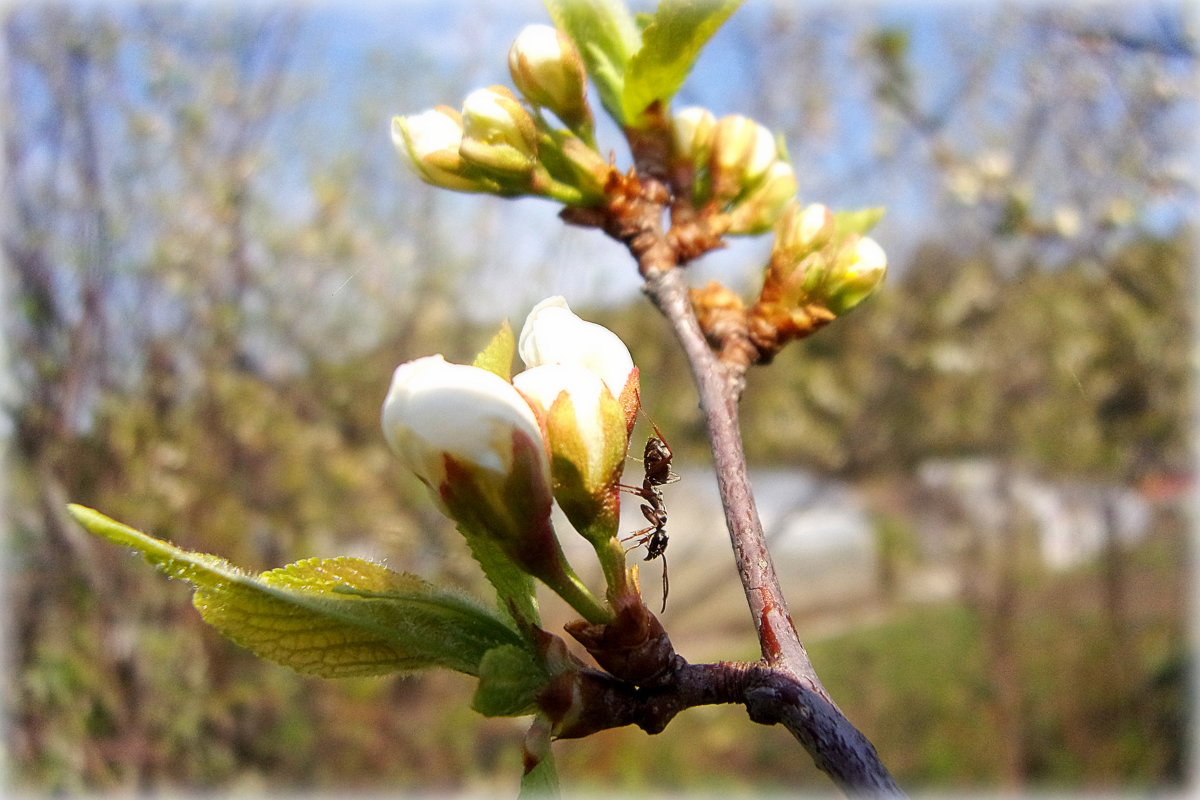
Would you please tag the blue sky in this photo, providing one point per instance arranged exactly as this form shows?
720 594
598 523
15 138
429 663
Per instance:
441 49
446 40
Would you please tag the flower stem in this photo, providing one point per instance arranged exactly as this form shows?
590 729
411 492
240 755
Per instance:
611 554
579 597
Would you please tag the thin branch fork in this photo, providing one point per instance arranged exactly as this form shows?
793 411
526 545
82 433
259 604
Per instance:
771 696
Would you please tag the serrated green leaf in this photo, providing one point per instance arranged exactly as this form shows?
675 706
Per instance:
671 43
606 36
334 617
497 357
509 680
860 221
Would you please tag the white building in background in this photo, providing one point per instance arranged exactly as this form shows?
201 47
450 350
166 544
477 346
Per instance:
825 547
1073 521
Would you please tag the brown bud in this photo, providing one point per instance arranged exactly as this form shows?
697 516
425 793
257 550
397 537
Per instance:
722 317
633 647
771 325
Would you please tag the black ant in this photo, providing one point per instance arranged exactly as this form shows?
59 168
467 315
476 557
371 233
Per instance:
656 459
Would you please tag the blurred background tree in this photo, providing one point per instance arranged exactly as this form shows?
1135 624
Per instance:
213 263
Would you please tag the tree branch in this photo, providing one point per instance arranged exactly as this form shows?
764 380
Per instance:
646 682
770 696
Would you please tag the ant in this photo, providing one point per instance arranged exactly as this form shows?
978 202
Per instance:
656 459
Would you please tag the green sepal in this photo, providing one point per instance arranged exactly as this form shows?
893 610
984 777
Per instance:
509 680
606 36
860 221
335 617
671 42
497 357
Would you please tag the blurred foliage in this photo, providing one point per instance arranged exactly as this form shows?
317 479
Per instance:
920 687
958 359
194 357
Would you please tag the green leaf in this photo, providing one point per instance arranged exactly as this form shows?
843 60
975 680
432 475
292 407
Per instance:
497 357
333 617
860 221
671 43
509 680
606 36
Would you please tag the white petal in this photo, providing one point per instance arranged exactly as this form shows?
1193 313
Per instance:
553 334
430 131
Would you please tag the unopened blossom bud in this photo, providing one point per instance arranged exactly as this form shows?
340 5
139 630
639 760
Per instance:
476 443
821 267
692 130
803 230
499 134
762 207
429 143
859 273
548 71
586 429
553 334
437 412
742 152
692 137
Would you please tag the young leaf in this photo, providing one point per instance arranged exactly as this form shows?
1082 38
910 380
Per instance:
670 44
541 778
497 357
606 36
860 221
330 617
509 679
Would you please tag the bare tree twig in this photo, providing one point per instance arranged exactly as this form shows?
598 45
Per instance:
719 388
653 685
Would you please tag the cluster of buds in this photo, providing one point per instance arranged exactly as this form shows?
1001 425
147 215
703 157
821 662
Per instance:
731 166
501 144
822 265
494 453
818 270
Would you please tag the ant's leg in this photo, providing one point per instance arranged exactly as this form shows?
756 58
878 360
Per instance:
644 533
666 584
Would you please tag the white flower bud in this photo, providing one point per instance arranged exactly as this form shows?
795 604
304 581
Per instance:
588 429
435 409
429 144
858 276
553 334
474 440
742 152
547 69
499 135
692 128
